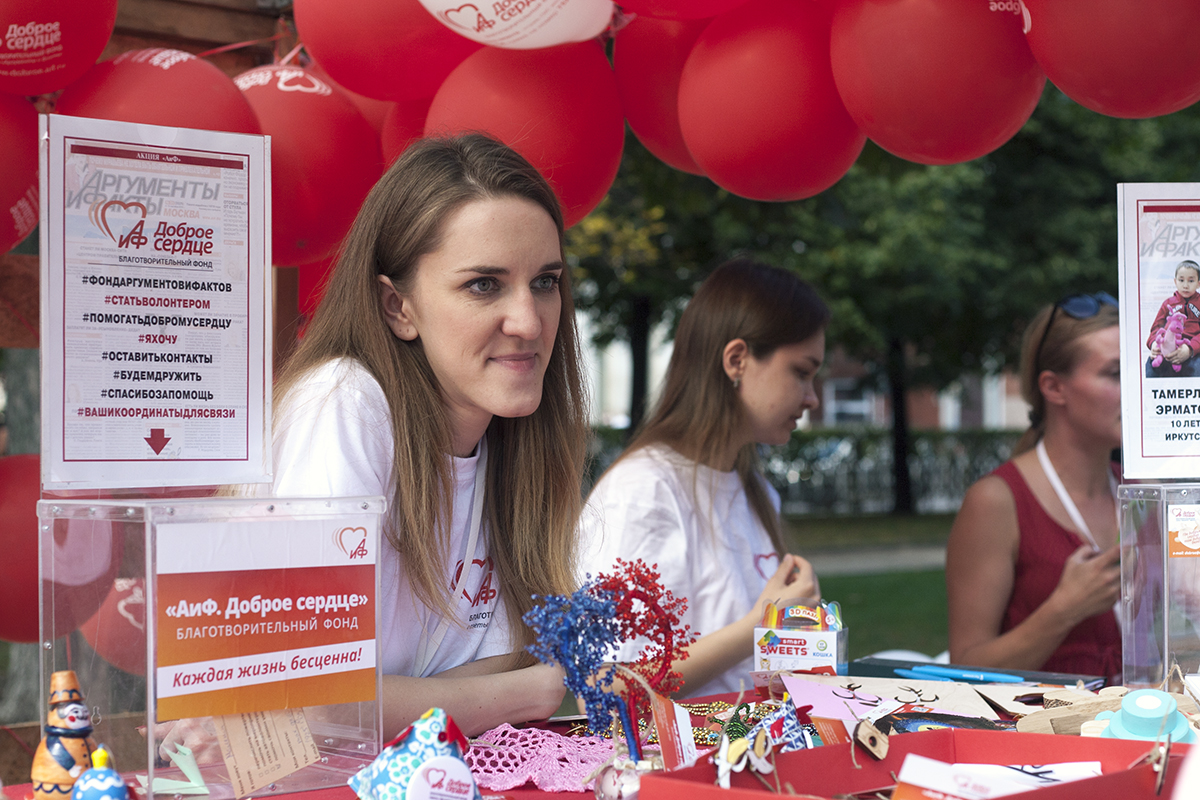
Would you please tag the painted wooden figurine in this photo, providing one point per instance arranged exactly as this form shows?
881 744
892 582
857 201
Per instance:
66 749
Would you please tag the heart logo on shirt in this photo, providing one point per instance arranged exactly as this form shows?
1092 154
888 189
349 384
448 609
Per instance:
766 564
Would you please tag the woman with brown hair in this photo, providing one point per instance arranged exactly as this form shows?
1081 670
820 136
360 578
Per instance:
688 494
1032 565
442 372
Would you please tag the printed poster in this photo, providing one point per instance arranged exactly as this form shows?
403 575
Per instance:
1183 531
155 343
1159 245
264 615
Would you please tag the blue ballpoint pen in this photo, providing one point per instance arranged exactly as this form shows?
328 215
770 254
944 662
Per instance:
918 676
967 675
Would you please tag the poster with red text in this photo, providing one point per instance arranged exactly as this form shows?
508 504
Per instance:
1159 247
154 317
263 615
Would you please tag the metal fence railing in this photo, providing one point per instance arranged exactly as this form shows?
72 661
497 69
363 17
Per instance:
849 471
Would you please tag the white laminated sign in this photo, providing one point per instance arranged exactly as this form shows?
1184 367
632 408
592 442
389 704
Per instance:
155 252
1159 244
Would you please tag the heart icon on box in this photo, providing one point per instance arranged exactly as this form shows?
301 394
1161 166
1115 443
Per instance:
436 778
465 16
339 538
98 214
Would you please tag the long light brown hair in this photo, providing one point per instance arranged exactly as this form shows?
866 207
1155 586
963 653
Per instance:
535 463
1060 353
699 411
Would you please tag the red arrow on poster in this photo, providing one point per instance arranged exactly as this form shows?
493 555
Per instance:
157 440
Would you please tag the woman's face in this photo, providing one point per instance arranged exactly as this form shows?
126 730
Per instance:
486 306
1092 390
777 390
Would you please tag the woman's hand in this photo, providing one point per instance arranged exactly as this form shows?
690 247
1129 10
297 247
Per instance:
1090 583
793 582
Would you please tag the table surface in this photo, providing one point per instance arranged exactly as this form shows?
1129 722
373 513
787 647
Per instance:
527 792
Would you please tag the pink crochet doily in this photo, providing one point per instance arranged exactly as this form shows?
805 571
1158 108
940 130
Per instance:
505 757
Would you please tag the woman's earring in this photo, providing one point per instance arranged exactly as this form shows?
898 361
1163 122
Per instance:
737 382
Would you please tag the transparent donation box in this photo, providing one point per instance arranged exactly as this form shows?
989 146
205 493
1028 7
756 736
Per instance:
225 647
1160 580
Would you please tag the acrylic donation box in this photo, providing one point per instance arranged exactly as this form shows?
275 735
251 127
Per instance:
1160 581
226 647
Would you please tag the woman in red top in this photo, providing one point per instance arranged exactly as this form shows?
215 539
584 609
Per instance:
1032 565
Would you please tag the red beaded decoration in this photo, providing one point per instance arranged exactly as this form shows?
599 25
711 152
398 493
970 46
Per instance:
645 609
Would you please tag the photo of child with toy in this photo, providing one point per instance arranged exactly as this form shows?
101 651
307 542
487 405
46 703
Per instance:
1175 333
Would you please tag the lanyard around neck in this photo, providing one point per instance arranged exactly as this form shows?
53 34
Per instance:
429 643
1065 498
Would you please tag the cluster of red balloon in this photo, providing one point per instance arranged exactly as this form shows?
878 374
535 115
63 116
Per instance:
541 84
45 47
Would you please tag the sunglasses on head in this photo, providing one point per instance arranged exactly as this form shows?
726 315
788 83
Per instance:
1078 306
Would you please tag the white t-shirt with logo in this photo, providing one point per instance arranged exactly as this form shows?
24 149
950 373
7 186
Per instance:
333 438
697 525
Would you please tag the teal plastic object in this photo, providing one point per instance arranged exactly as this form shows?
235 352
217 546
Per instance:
1142 716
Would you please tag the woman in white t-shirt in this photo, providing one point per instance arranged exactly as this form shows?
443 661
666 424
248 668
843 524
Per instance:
442 372
688 494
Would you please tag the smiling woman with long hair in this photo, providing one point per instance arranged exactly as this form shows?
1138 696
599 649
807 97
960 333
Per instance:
688 494
442 372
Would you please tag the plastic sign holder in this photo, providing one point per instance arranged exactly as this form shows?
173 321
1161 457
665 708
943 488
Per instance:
218 639
1160 581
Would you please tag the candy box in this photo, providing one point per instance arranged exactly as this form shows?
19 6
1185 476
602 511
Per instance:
799 649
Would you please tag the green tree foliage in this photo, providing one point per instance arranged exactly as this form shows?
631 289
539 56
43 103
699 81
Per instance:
940 266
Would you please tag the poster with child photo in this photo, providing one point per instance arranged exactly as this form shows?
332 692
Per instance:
1159 248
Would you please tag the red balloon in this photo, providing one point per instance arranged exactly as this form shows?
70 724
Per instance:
404 124
117 631
373 111
934 81
386 49
160 87
557 106
1120 58
18 170
48 45
679 9
82 557
757 105
324 159
648 56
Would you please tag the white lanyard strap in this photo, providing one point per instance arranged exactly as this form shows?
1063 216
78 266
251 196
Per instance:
428 644
1076 517
1065 498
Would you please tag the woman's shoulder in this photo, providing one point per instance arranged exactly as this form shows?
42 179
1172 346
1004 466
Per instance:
343 373
988 504
652 465
341 386
336 377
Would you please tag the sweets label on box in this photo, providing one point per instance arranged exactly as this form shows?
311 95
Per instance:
795 648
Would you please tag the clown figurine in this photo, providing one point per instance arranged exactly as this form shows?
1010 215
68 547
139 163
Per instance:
66 749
